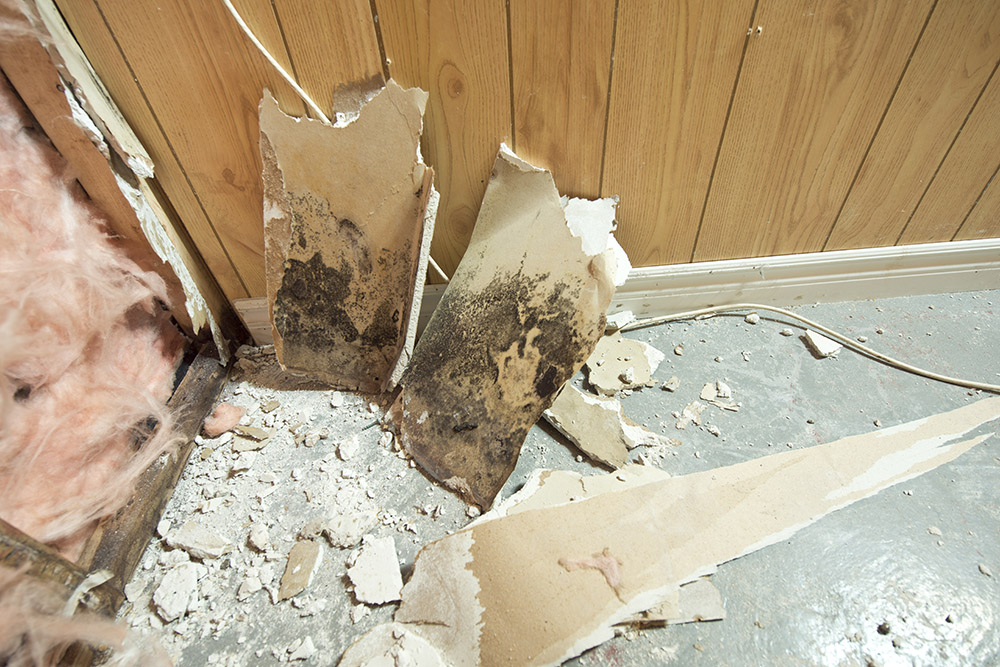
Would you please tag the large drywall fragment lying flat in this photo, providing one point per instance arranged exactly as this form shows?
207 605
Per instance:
519 317
598 426
496 592
621 363
346 237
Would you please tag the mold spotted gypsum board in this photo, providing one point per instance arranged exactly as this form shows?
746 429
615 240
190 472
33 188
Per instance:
345 235
519 317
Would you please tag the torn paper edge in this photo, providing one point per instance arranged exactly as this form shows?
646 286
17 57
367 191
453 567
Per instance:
430 215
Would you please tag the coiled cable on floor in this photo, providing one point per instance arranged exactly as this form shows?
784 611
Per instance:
829 333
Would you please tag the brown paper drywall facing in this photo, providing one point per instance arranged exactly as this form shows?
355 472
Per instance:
599 427
495 592
519 317
346 237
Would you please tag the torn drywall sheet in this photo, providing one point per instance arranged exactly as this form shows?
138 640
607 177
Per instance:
519 317
662 535
693 602
599 427
621 363
346 237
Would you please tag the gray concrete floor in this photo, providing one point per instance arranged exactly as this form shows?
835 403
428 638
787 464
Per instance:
820 597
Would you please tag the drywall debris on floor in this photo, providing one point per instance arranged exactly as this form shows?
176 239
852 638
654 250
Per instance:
347 230
303 559
598 426
693 602
820 345
619 320
374 571
465 585
619 363
391 644
520 316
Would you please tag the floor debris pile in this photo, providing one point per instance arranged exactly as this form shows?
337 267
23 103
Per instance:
329 475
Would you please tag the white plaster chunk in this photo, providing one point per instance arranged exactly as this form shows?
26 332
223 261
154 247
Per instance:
177 591
348 448
392 645
619 320
821 345
258 537
304 651
375 572
248 587
615 358
198 541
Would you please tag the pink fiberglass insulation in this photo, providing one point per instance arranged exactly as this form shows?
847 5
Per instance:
87 351
34 628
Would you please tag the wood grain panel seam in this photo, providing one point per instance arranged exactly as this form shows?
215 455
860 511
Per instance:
944 157
510 77
378 38
284 43
878 128
725 124
607 104
976 203
170 146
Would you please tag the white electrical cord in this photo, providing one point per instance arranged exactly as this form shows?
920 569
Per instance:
305 97
285 75
822 329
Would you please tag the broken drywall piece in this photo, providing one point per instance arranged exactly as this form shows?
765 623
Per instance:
693 602
598 426
303 560
619 320
519 317
342 530
198 541
346 237
474 590
178 590
820 345
375 571
691 414
391 644
621 363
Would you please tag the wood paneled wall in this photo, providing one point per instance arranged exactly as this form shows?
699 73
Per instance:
729 128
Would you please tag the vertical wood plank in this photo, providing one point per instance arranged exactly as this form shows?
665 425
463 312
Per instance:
560 61
984 220
960 181
950 66
188 53
332 45
457 51
90 30
815 83
675 64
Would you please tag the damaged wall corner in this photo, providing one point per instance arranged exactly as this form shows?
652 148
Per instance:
347 231
519 317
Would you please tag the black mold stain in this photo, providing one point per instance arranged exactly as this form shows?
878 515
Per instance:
455 371
308 305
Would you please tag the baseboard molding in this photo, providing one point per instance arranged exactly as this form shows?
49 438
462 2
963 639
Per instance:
822 277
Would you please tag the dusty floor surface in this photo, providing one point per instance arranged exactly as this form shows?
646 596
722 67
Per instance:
891 580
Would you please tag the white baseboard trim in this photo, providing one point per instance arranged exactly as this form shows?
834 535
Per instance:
787 280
